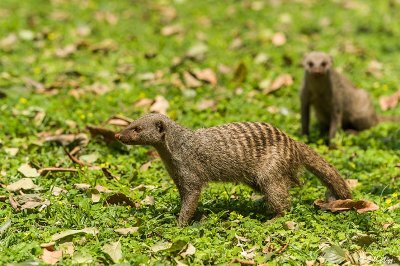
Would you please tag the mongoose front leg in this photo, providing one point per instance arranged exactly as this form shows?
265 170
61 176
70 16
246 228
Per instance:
189 201
335 124
305 110
277 195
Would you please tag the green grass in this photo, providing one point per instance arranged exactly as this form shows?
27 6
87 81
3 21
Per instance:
226 210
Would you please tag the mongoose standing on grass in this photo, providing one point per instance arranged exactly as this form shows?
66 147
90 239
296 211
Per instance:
256 154
337 103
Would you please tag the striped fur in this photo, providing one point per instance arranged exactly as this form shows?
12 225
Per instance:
256 154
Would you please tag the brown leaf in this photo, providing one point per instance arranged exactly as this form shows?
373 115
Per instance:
290 225
360 206
82 186
107 45
80 139
126 231
67 248
106 16
394 207
51 257
242 261
119 198
106 134
108 174
22 184
148 200
143 103
206 104
8 42
387 225
118 120
278 39
279 82
188 250
207 75
144 167
160 105
389 102
65 51
352 183
190 80
240 73
28 201
170 30
197 51
56 191
375 68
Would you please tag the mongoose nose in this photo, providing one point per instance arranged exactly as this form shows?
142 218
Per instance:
117 136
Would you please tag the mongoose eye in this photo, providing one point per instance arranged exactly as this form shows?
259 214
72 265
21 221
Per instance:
324 63
137 129
310 64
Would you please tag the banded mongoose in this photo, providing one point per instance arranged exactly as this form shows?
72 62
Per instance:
336 101
256 154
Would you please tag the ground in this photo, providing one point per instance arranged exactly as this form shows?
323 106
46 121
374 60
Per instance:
68 64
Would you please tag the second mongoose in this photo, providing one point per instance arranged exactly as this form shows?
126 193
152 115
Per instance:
336 101
256 154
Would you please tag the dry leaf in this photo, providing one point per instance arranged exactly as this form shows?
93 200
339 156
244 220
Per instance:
375 68
170 30
278 39
310 262
207 75
89 158
188 250
102 189
82 186
8 42
389 102
114 251
197 52
143 103
290 225
44 171
279 82
190 81
206 104
161 245
95 197
352 183
360 206
67 248
179 263
236 43
56 191
28 171
118 120
51 257
143 187
61 235
65 51
126 231
108 174
82 258
148 200
80 139
119 198
160 105
106 134
387 225
28 201
394 207
11 151
145 166
22 184
242 261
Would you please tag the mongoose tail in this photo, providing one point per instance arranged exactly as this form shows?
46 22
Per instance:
325 172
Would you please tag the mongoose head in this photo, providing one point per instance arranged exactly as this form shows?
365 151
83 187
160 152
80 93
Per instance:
147 130
317 63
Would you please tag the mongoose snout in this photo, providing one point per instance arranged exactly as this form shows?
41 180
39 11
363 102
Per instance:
256 154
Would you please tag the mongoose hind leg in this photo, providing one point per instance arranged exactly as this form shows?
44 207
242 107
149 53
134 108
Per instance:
276 191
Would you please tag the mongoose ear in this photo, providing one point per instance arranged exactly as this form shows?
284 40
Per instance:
160 126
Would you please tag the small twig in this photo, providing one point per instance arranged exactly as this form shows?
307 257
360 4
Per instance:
45 170
74 159
75 150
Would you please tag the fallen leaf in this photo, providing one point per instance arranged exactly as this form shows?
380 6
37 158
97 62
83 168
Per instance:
375 68
387 225
126 231
106 134
148 200
359 258
179 263
11 151
281 81
389 102
28 171
290 225
143 103
190 81
394 207
81 258
261 58
67 248
334 254
143 187
188 250
360 206
352 183
51 257
26 35
206 104
22 184
95 197
363 239
49 246
236 43
240 73
56 191
102 189
65 51
89 158
278 39
80 139
207 75
4 227
144 167
310 262
105 46
82 186
197 51
118 120
114 251
120 198
159 246
88 230
242 261
160 105
108 174
106 16
170 30
28 201
8 42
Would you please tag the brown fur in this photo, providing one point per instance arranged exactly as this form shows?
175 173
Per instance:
337 103
256 154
